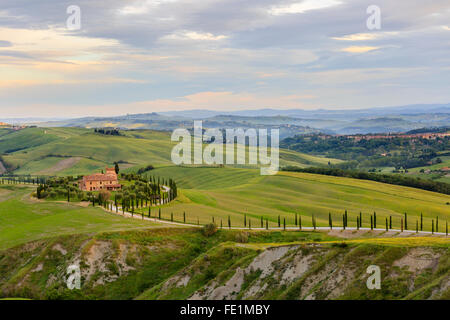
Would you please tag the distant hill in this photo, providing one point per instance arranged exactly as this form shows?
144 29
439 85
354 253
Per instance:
291 122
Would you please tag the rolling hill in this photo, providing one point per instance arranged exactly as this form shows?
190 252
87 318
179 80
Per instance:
74 151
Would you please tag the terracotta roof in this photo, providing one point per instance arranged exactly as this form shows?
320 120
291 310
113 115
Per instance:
100 177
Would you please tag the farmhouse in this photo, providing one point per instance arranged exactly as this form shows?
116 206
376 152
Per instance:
101 181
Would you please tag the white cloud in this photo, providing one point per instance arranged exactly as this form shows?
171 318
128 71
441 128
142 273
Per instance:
301 7
366 36
193 35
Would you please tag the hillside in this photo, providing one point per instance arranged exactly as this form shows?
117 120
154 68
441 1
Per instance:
224 192
75 151
184 264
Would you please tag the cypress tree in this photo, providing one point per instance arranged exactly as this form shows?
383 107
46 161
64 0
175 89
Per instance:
221 226
390 222
249 223
149 212
406 221
229 222
245 220
300 222
387 226
432 226
360 219
184 216
279 222
437 224
330 222
374 220
417 226
446 228
267 224
314 221
401 225
343 221
159 214
284 224
296 219
171 216
357 223
371 222
421 221
262 222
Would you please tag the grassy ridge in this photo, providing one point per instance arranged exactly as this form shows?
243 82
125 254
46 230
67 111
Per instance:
35 150
287 193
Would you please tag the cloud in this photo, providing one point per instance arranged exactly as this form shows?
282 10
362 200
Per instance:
359 49
304 6
193 35
148 50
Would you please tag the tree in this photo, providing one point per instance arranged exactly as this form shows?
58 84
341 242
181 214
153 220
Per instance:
296 221
279 221
184 216
357 223
262 222
421 221
387 226
406 221
103 196
330 222
116 167
314 221
401 225
432 226
343 221
229 222
374 220
284 224
300 222
417 226
360 219
371 222
159 214
245 220
437 224
390 222
267 224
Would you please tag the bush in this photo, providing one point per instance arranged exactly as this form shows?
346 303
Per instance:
242 237
209 229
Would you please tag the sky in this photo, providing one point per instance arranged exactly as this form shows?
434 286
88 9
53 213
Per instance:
138 56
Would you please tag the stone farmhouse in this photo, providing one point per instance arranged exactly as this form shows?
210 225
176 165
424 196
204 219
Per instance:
101 181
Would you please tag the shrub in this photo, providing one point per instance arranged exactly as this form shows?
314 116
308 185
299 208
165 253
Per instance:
209 229
241 237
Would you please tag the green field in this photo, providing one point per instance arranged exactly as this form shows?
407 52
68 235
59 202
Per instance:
205 193
23 219
223 192
73 151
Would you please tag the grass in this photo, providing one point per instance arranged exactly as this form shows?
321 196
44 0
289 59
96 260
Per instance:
23 219
35 150
223 192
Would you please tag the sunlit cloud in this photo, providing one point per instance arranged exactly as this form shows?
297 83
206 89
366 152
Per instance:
193 35
301 7
365 36
359 49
